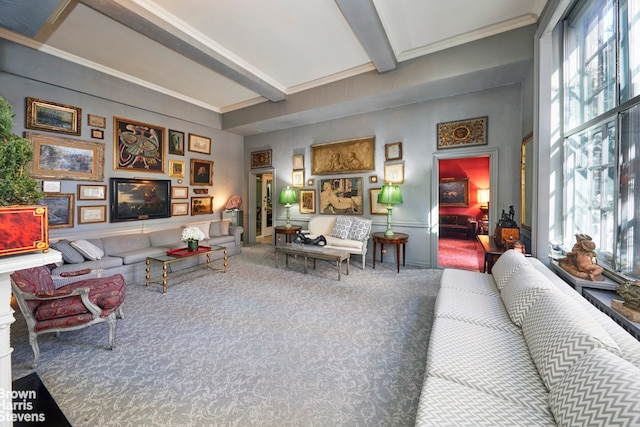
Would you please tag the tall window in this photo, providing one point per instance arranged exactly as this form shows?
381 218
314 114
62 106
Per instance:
602 130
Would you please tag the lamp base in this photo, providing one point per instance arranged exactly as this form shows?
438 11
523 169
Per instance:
288 225
388 233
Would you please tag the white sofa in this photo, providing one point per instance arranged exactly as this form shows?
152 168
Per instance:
352 236
520 347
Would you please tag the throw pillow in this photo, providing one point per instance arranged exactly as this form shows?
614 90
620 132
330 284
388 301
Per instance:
88 250
224 227
69 254
359 229
342 227
215 229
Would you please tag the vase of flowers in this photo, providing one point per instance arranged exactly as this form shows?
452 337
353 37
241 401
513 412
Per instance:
192 235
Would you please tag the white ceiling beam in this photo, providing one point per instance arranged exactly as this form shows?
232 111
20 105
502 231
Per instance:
362 17
186 45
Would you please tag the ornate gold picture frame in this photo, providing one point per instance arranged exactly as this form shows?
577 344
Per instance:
352 155
463 133
53 117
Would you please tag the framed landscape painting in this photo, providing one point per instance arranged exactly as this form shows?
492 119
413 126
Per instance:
53 117
59 209
454 192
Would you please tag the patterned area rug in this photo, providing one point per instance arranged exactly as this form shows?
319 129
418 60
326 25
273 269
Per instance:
460 253
258 345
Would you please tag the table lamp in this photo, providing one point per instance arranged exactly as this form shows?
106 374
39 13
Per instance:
389 196
483 199
288 196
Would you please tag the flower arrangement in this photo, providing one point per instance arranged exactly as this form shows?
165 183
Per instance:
192 233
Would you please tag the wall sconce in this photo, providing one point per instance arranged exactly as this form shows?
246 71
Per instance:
287 197
389 196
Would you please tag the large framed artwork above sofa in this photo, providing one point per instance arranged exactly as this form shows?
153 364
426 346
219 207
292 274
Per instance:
135 199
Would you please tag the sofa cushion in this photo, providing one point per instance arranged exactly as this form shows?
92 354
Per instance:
88 250
115 245
140 255
448 219
70 255
505 266
342 227
171 237
558 333
469 281
601 389
345 244
522 291
219 228
360 229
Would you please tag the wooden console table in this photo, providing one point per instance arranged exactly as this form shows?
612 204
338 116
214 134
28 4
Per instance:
492 251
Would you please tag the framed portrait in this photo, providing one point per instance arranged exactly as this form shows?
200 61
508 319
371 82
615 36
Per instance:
97 133
341 196
463 133
176 142
261 159
51 186
53 117
137 146
92 214
177 169
137 199
92 192
59 209
199 144
453 192
96 121
298 161
343 156
201 172
393 151
178 209
201 205
297 178
65 158
307 201
375 207
394 173
179 192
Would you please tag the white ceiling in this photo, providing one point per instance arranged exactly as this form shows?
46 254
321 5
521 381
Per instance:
268 49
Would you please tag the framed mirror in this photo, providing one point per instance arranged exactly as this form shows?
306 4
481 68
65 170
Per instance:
526 182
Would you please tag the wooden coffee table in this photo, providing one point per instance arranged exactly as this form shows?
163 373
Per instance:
314 252
175 255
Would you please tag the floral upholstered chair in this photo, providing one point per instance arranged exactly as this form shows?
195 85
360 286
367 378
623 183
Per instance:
73 306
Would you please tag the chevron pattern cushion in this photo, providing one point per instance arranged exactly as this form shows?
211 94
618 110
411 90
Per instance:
469 281
559 333
599 390
506 265
522 291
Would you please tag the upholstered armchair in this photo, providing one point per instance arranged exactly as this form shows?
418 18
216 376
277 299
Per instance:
75 305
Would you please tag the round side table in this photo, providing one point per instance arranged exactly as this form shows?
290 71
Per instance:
398 239
288 232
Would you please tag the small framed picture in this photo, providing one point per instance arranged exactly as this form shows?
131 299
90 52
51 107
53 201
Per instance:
92 214
96 121
59 209
376 208
201 172
176 142
97 133
92 192
261 159
394 173
179 192
298 161
51 186
53 117
297 178
373 179
393 151
201 205
199 144
310 182
307 201
178 209
176 168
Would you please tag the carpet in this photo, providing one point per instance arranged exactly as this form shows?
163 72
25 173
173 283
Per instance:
460 253
257 345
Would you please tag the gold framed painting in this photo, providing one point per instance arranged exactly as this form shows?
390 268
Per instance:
341 196
351 155
59 209
199 144
176 142
453 192
177 169
201 172
65 158
53 117
201 205
261 159
307 201
137 146
462 133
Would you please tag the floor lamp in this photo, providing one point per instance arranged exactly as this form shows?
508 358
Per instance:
389 196
288 196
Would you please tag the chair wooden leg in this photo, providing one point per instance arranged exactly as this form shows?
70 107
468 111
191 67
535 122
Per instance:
112 330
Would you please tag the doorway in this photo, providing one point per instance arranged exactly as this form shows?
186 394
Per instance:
261 221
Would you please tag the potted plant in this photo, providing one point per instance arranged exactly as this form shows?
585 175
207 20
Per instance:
23 224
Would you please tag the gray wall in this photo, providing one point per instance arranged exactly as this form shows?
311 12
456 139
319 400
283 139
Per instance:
27 73
415 126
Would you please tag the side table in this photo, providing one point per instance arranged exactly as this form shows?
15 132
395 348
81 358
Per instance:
492 251
397 239
288 232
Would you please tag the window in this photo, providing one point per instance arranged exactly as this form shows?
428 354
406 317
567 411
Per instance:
602 130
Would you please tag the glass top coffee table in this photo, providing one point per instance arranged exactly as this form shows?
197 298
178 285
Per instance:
175 255
313 252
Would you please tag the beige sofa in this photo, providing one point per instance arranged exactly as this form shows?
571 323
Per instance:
520 347
351 233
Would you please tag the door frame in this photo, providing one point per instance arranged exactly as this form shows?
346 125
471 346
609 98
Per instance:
435 206
253 203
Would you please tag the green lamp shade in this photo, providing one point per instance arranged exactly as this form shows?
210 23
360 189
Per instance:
390 195
288 196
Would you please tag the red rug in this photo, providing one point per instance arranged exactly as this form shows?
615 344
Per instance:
460 253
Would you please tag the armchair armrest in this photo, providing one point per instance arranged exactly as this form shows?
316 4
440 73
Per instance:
75 276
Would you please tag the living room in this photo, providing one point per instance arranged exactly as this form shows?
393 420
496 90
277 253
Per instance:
506 77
